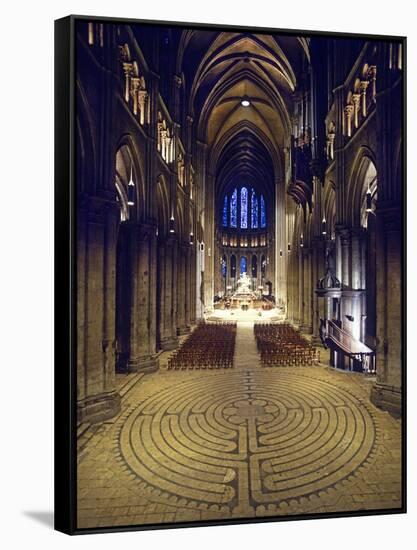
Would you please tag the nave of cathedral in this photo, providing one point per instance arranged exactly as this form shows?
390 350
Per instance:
239 256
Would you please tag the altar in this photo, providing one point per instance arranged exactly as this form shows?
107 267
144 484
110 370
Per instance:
243 297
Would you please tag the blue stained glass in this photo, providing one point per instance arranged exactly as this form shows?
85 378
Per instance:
263 212
244 208
233 209
224 267
254 210
243 265
225 211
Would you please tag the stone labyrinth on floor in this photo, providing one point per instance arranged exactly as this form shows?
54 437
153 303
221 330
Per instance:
246 439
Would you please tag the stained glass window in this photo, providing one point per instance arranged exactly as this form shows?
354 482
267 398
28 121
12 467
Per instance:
244 208
263 212
243 265
224 267
233 209
225 211
254 210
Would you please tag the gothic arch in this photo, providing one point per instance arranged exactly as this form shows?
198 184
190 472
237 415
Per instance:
259 134
129 157
162 201
365 160
180 221
329 209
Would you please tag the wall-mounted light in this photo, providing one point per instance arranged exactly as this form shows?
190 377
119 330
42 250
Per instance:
245 102
191 238
289 247
301 241
131 190
323 226
172 225
368 201
280 253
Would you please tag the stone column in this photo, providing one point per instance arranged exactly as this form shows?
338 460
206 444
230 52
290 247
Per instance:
181 291
152 290
142 351
187 286
356 278
192 285
161 293
97 226
318 269
386 392
356 108
112 219
293 286
363 87
301 295
169 338
345 245
174 267
306 321
348 119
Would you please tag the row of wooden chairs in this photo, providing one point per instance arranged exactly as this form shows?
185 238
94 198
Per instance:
210 346
281 345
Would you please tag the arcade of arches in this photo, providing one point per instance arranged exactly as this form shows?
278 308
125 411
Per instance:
248 186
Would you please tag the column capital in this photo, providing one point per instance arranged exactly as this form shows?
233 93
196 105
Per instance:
135 83
127 67
349 110
363 86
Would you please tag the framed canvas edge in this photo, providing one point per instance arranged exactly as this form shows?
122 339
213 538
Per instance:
64 281
65 422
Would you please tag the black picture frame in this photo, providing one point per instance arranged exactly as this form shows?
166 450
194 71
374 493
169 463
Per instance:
65 277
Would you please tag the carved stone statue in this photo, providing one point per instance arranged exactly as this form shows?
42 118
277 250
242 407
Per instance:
243 284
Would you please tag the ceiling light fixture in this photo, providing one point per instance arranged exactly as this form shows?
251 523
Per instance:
245 101
131 190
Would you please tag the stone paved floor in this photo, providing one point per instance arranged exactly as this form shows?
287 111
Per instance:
241 442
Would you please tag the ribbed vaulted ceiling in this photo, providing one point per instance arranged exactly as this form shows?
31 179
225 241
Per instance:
245 144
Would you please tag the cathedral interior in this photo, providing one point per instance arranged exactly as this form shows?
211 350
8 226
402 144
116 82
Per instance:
239 268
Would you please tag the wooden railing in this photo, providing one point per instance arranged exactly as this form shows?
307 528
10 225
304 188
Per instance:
346 343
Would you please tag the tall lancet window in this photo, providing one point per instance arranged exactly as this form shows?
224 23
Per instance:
254 210
244 208
225 211
224 267
233 209
263 212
